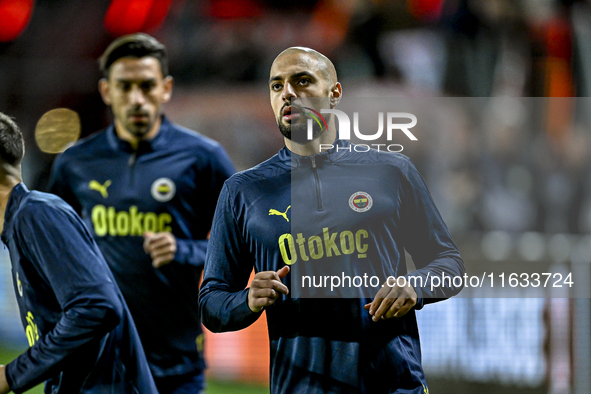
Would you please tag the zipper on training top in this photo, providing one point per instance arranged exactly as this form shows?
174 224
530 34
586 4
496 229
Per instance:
317 184
131 161
131 165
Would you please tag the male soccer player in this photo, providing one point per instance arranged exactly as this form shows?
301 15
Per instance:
304 208
147 188
82 336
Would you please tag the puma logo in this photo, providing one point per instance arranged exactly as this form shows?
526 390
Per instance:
102 189
276 212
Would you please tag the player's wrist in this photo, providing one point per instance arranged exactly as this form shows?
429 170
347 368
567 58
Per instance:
250 303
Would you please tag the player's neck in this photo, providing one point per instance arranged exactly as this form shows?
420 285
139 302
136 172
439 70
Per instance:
311 148
133 139
9 178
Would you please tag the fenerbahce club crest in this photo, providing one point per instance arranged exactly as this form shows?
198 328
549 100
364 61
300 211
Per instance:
360 201
163 189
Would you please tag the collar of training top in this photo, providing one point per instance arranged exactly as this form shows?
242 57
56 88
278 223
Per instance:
159 141
14 201
338 149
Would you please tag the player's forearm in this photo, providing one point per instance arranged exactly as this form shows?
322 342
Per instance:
191 251
223 311
78 327
435 280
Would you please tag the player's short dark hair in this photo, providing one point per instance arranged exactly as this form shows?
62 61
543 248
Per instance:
12 145
135 45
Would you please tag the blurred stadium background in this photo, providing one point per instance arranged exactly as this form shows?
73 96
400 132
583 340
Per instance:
512 187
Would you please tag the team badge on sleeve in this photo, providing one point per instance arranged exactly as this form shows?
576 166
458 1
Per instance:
163 189
360 201
19 285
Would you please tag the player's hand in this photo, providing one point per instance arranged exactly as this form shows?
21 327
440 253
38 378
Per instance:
3 383
160 246
265 288
392 301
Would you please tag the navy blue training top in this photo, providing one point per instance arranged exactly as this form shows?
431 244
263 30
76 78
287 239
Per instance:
348 210
170 183
82 336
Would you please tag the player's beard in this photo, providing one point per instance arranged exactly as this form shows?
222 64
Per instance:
139 129
298 132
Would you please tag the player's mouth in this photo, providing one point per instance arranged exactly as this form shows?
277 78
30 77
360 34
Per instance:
291 114
138 117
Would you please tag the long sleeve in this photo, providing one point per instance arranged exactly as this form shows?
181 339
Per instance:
223 299
429 243
74 279
213 173
191 251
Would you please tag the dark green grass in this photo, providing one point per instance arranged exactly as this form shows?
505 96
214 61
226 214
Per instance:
213 386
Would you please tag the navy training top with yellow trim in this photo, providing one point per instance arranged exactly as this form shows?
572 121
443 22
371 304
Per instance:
170 183
82 336
287 210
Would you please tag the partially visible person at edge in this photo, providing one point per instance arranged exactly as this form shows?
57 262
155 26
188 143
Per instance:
336 345
81 335
147 188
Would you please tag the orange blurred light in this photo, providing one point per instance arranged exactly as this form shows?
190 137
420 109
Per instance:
14 18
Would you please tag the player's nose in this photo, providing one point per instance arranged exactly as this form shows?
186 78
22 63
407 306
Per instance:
136 96
288 92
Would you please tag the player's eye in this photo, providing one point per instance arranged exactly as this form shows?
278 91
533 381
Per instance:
124 86
276 87
304 81
147 86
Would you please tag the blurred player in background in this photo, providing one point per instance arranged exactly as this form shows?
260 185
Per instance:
336 345
82 336
147 188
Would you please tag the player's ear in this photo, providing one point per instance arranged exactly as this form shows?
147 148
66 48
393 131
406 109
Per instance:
335 94
168 84
104 91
